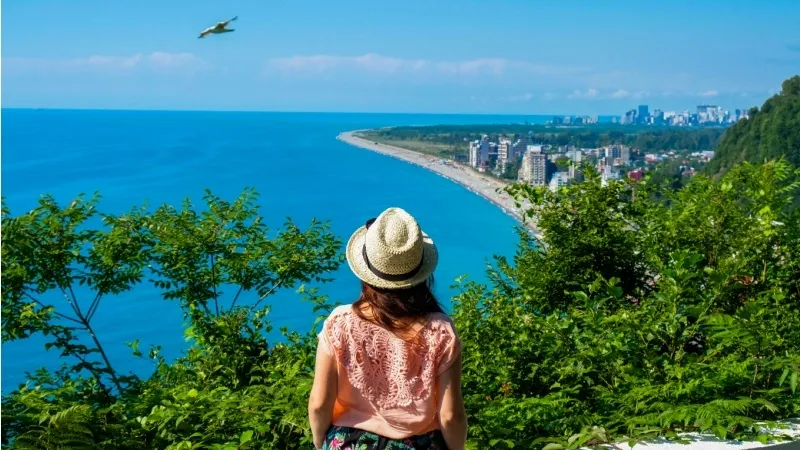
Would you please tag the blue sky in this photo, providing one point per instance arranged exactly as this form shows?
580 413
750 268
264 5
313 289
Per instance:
482 56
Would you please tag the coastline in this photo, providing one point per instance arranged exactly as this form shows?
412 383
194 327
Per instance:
488 188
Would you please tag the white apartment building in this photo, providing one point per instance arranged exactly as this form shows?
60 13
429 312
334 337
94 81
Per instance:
505 154
479 152
534 167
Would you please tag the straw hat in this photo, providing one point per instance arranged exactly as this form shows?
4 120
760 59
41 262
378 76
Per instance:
392 252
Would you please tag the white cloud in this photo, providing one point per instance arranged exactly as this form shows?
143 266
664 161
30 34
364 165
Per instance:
493 66
587 94
153 61
711 93
387 65
550 95
621 93
519 98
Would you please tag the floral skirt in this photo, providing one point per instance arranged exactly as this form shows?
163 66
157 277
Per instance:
346 438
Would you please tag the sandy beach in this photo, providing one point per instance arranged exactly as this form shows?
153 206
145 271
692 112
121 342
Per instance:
489 188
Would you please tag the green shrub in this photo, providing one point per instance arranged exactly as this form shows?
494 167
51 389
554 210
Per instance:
636 315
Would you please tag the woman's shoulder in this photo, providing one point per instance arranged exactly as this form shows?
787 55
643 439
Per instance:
441 322
342 310
340 314
440 318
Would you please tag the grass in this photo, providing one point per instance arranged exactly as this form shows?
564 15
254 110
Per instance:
429 148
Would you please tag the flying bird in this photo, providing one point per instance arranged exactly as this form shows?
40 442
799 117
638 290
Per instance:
217 29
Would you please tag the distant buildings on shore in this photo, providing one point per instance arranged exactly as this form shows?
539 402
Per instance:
541 165
573 120
485 155
706 115
554 166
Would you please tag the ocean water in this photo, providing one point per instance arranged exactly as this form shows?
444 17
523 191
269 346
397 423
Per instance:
292 159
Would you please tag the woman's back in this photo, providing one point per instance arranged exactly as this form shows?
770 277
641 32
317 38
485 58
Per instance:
388 384
388 368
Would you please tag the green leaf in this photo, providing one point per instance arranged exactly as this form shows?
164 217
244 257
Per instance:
553 446
793 382
246 437
785 373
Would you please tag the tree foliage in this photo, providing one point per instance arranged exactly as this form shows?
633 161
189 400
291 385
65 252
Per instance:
231 389
633 315
769 133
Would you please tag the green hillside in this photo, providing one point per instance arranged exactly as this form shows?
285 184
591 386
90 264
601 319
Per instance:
769 133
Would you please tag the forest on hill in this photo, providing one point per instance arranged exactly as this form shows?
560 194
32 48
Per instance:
771 132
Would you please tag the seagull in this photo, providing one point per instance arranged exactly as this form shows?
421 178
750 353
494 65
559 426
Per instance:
217 29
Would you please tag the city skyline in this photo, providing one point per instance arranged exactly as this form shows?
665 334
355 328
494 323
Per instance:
450 57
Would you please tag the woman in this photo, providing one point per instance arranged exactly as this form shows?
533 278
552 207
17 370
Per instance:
388 370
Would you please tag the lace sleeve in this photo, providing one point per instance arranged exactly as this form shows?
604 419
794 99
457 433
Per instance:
331 335
322 342
450 350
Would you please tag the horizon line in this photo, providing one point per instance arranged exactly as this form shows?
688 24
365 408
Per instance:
34 108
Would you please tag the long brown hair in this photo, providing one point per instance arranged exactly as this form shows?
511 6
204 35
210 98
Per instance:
397 309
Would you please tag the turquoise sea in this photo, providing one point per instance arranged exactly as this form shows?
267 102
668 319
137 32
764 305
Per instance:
292 159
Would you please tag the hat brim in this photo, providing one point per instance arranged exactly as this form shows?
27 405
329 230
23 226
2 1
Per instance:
355 258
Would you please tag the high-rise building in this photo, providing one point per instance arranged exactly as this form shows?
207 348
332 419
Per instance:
534 167
617 154
625 154
658 117
491 160
644 114
521 145
479 153
474 153
484 153
629 118
505 154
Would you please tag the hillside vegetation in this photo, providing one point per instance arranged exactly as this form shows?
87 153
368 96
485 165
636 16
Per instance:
771 132
631 319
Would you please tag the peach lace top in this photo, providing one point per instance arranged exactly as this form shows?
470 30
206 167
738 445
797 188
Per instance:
387 385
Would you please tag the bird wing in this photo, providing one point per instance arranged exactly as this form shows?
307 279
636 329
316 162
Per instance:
223 24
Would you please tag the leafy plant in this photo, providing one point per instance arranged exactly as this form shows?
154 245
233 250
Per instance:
632 316
232 388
